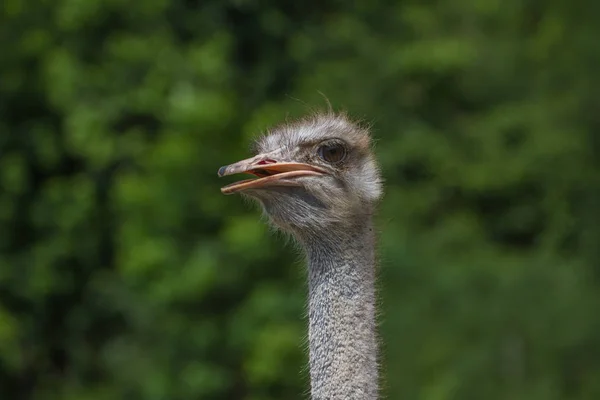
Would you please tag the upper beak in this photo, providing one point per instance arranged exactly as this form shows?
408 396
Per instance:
270 172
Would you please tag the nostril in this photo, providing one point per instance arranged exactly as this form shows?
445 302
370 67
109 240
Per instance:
266 161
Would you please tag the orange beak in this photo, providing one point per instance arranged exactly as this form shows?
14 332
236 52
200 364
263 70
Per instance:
269 172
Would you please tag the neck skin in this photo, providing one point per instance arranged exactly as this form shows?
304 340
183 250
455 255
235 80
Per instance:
342 324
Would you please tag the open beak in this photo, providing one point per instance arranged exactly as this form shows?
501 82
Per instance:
269 171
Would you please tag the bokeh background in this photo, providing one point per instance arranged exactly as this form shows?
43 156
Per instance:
125 274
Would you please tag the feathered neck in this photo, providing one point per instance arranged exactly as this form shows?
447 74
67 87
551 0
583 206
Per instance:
342 316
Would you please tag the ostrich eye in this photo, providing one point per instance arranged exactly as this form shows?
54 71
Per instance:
332 153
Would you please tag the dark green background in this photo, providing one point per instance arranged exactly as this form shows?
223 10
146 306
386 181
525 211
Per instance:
125 274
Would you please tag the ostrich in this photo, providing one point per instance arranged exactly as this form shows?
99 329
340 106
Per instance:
317 179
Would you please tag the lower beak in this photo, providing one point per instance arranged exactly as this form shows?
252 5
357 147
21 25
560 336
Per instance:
269 172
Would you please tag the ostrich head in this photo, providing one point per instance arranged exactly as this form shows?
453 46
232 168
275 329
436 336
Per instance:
313 175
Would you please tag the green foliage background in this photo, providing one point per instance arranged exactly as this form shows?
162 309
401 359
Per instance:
125 274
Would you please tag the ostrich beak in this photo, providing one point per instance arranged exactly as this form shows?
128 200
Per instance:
269 171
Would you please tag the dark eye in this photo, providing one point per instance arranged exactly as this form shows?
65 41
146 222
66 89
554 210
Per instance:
332 153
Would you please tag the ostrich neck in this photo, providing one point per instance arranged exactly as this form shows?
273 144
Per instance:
342 323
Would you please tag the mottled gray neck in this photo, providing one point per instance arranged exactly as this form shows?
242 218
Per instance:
342 322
